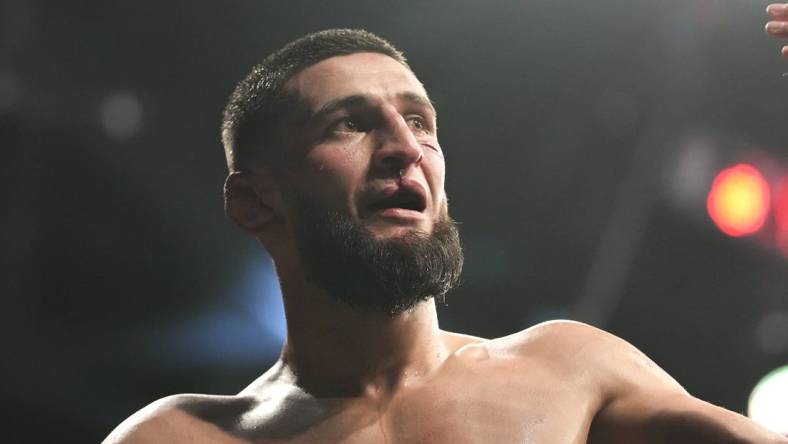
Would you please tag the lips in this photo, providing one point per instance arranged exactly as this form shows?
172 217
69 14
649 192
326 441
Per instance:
406 195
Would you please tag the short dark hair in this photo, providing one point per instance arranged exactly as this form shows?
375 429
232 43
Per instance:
260 98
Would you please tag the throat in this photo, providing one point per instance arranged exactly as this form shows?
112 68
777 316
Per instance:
362 355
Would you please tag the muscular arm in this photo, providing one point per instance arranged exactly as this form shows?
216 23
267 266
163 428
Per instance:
667 417
643 404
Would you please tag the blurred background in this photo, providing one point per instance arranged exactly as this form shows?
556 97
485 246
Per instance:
621 163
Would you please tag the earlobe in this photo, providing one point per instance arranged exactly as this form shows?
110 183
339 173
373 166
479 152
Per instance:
247 203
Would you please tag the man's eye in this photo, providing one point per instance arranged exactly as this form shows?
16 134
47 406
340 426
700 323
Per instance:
346 126
418 124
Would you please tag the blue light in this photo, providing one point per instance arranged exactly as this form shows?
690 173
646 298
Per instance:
263 298
250 329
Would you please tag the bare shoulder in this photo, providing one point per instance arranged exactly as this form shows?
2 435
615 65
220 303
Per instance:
181 418
455 341
560 337
611 360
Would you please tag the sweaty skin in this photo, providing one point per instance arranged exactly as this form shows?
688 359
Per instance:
346 376
548 384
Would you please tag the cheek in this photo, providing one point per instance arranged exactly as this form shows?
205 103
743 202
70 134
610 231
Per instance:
436 176
335 174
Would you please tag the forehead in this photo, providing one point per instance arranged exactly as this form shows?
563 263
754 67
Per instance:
370 74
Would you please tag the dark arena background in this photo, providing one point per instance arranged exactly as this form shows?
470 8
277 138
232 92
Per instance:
615 162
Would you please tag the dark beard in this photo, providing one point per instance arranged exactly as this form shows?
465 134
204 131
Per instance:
388 277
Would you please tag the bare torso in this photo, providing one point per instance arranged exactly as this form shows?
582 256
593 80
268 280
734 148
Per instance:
508 390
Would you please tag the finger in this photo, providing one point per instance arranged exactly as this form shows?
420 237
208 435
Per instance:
785 52
777 28
777 10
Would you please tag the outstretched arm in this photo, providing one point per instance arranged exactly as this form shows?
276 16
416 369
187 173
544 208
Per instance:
778 24
643 404
638 402
653 415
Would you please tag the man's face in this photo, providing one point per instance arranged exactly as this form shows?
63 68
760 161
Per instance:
367 146
364 186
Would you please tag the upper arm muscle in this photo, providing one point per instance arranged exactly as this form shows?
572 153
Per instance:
648 417
646 405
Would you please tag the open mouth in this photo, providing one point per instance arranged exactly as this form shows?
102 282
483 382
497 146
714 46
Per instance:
405 198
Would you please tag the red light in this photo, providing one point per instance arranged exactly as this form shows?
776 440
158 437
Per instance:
781 213
739 200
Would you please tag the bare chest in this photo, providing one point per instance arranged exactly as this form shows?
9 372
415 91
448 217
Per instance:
490 406
492 412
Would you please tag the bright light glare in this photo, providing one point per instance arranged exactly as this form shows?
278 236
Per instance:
781 213
738 201
768 404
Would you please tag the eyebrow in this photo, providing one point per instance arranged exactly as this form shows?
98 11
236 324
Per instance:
358 100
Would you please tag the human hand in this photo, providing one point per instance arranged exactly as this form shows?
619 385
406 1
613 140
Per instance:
778 25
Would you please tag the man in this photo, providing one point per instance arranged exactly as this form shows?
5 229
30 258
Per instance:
336 168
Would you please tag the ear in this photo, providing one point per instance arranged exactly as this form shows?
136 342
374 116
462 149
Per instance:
249 200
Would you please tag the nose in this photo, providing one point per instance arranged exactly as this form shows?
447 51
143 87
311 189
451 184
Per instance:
398 149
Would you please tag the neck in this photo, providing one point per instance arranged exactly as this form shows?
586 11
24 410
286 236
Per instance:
337 351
